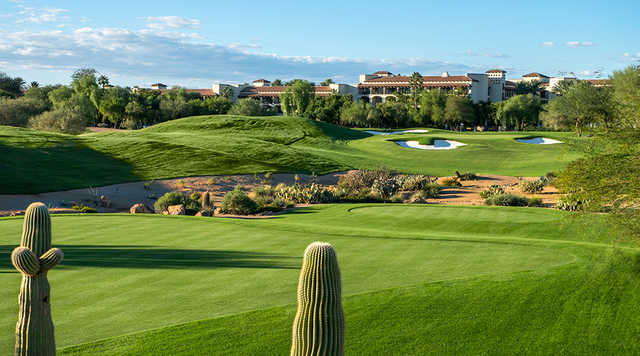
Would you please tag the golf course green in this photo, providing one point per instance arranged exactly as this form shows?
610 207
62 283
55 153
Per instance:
416 280
36 161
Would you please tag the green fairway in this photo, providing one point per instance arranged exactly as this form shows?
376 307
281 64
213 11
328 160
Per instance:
34 162
416 280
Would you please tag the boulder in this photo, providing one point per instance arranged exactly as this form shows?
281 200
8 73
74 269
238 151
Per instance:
176 209
205 213
140 208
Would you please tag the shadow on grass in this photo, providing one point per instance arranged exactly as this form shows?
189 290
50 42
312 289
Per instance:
61 166
149 257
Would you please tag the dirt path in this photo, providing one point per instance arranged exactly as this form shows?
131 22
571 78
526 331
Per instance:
121 197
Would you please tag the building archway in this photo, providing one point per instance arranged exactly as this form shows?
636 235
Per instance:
377 100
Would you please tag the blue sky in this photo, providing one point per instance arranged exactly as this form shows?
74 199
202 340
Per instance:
197 43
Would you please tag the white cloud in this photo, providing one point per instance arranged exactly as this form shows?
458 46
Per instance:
156 54
575 44
548 44
632 56
171 22
41 15
485 53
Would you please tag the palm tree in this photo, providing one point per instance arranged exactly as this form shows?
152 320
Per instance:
34 84
227 92
103 81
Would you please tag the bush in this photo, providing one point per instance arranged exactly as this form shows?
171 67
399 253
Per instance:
397 198
451 182
535 201
570 202
466 176
175 198
507 200
265 198
84 209
236 202
17 112
531 186
432 191
413 183
247 107
385 187
494 189
355 181
419 197
304 194
61 120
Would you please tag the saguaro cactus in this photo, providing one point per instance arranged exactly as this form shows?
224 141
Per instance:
318 328
206 200
33 258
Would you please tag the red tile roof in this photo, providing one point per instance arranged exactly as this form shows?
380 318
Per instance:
277 90
534 74
261 81
382 72
495 71
599 82
202 92
427 81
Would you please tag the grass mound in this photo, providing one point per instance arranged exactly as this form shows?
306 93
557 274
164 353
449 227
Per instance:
429 140
35 162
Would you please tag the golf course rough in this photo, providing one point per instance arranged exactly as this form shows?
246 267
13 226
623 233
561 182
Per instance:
318 328
34 330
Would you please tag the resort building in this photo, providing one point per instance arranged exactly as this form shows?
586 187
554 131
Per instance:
492 85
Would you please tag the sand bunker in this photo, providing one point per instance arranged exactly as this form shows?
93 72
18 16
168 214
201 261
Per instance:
395 132
538 141
437 145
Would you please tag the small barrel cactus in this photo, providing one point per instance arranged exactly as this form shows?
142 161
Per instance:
33 258
318 328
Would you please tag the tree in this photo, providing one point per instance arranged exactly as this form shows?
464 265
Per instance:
296 99
218 105
34 84
518 112
354 114
432 106
484 112
528 87
606 180
626 94
227 93
11 87
17 112
83 72
327 82
415 83
276 83
458 110
113 105
581 106
103 81
563 86
247 107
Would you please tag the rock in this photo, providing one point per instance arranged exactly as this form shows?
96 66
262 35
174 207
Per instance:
176 209
140 208
204 213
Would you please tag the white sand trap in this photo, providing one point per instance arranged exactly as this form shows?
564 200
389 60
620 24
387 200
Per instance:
437 145
395 132
538 141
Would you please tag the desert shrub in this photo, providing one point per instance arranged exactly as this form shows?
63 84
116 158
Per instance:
361 179
362 196
237 202
266 199
432 191
451 182
531 186
419 197
191 206
84 209
570 202
195 196
466 176
304 193
385 187
494 189
507 200
247 107
413 183
396 198
535 201
61 120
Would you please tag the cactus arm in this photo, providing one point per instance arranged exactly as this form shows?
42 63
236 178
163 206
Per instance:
25 261
50 259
